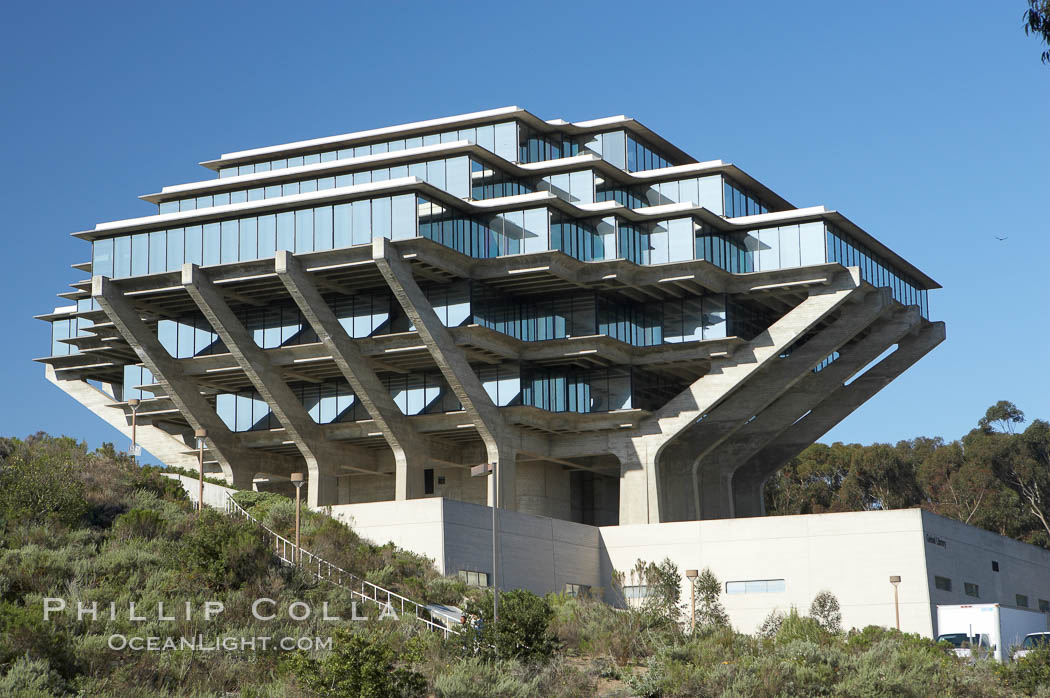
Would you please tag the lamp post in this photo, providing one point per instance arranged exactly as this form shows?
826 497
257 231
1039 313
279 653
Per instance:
297 480
895 580
484 470
134 403
692 575
200 435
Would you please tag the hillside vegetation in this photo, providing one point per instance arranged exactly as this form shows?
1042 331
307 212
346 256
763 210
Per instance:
95 527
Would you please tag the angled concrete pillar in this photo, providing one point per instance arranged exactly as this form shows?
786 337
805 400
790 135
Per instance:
165 446
324 459
639 496
498 437
836 405
710 477
405 442
238 464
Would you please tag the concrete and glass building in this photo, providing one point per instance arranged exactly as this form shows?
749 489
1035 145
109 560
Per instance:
630 335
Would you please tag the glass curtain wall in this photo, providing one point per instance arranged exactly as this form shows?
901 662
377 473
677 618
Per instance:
500 139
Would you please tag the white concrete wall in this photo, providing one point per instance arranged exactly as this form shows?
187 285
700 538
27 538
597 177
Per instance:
537 553
966 556
851 554
214 495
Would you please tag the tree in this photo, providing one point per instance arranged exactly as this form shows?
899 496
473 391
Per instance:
1001 417
826 610
358 667
663 590
522 631
1037 21
707 590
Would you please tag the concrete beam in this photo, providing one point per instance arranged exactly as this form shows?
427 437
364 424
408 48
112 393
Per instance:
406 443
163 445
701 439
639 453
493 430
238 464
323 458
838 404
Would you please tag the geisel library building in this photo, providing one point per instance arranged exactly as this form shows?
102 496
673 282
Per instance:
636 340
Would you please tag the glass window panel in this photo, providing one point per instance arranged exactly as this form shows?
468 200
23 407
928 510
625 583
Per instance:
403 216
267 236
362 219
230 239
614 149
506 137
286 231
307 186
289 188
768 249
312 159
658 243
295 162
811 241
168 207
272 191
238 197
139 254
158 252
323 228
342 224
256 194
102 258
680 240
203 202
249 243
789 248
212 244
714 308
194 245
381 218
344 180
329 156
304 230
457 177
536 230
581 186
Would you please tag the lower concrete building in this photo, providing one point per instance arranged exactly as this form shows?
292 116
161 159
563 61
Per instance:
764 564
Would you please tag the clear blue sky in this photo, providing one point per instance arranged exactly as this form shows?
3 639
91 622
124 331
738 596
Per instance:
924 122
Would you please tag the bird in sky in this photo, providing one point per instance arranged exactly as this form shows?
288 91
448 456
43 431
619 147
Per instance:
1001 239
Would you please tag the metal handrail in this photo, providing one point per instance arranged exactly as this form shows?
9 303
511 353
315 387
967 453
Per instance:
323 570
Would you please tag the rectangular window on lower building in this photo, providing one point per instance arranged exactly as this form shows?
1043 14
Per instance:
756 586
1022 600
474 579
971 589
576 589
942 583
428 481
995 565
637 591
1044 605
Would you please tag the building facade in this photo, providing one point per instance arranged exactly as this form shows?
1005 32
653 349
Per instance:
629 335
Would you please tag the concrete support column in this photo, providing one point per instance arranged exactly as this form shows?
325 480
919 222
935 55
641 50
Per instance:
727 375
500 439
323 459
832 409
407 444
237 463
701 442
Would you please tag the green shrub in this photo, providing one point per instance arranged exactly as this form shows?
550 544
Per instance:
473 677
358 667
223 553
137 523
39 482
1028 673
31 678
795 627
522 631
826 610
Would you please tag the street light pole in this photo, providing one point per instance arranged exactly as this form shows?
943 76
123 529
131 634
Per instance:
482 471
297 480
134 403
692 574
895 580
200 435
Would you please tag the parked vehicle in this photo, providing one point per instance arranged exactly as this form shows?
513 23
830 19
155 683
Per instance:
1031 641
987 627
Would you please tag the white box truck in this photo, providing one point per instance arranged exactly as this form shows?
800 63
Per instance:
995 628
